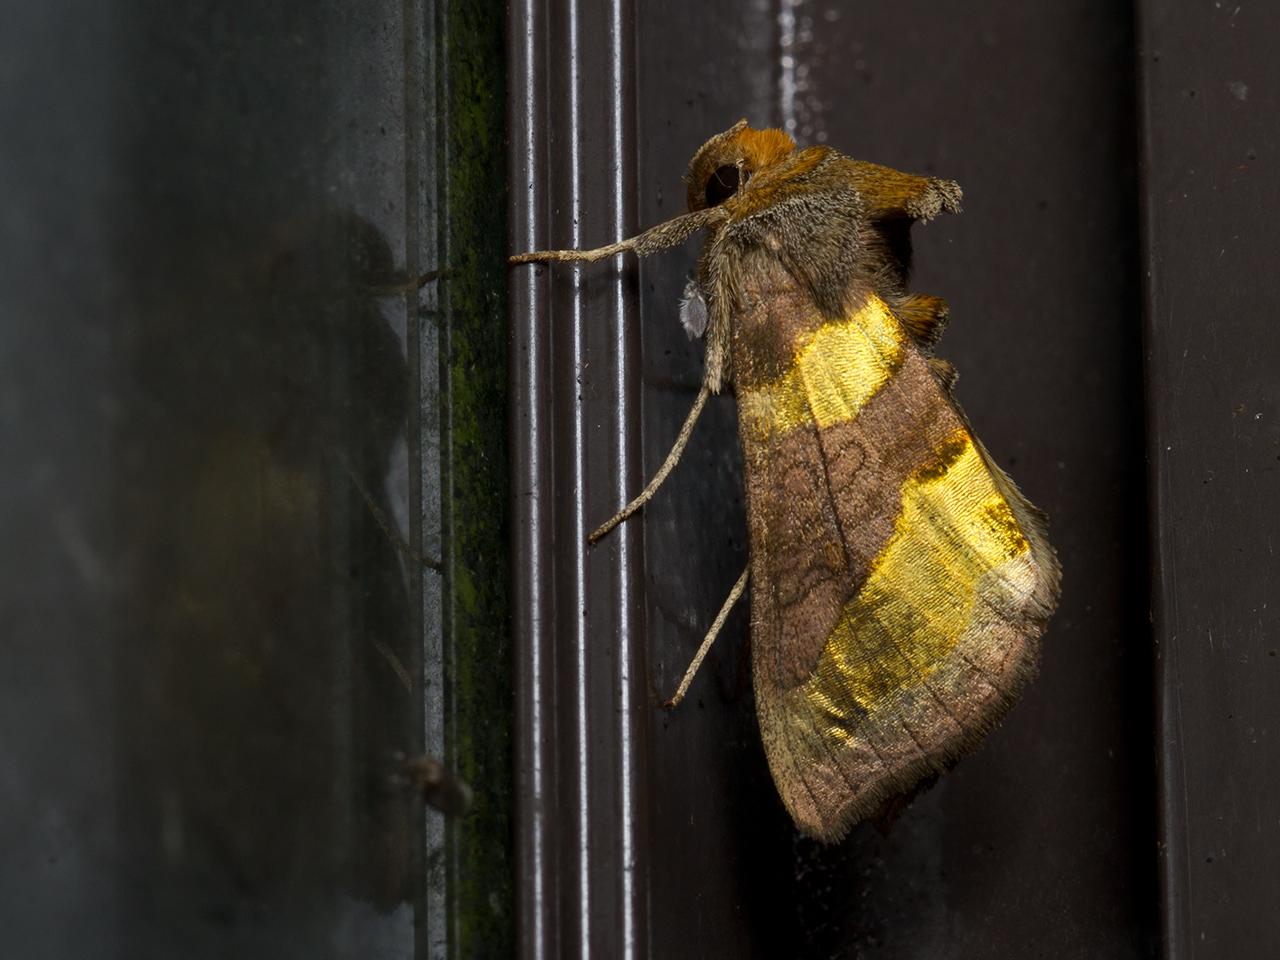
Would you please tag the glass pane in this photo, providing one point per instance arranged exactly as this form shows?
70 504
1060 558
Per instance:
225 567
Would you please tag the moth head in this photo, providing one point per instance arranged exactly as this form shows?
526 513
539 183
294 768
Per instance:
727 162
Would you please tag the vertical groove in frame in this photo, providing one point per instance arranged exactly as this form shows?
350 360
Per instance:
1170 812
440 706
575 442
531 492
529 478
414 52
632 707
569 409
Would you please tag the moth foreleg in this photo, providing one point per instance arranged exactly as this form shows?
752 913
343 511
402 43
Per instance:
682 440
890 193
734 595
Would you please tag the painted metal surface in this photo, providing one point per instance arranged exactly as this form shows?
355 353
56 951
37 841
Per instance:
1041 843
1209 94
575 436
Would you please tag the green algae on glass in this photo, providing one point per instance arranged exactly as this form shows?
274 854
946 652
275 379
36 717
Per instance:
473 376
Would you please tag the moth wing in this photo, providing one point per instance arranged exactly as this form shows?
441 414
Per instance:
899 581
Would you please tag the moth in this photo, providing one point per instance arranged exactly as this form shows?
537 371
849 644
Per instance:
900 583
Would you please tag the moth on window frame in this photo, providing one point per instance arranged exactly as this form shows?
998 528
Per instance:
899 581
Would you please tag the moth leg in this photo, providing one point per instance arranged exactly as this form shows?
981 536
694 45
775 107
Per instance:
734 595
889 193
682 440
670 234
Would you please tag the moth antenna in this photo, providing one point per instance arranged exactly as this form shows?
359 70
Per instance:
677 449
411 286
588 256
672 233
734 595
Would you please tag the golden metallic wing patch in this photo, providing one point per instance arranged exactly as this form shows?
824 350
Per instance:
837 369
899 594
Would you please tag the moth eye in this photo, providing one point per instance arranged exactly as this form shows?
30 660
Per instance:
723 184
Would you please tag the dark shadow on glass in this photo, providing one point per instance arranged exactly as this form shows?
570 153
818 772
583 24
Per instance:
266 669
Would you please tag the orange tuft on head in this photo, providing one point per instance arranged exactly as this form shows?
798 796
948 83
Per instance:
735 155
764 148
